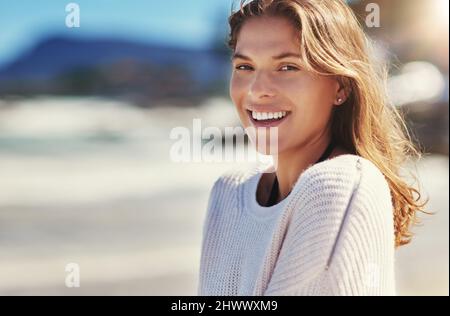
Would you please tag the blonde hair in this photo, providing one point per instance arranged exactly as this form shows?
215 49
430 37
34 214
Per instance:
332 43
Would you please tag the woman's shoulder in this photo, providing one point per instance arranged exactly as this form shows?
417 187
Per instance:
342 218
342 172
328 187
226 189
228 183
238 176
337 174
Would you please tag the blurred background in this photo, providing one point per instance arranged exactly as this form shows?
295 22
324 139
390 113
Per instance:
85 119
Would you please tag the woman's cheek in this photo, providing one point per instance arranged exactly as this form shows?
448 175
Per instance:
237 94
237 90
233 88
238 81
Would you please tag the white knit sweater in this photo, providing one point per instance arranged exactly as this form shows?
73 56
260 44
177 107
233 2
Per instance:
332 235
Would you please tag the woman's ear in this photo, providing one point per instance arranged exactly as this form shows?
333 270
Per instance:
343 91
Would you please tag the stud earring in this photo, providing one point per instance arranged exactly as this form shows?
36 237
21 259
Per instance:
339 100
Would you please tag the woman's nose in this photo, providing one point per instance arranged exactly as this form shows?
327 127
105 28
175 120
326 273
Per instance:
261 86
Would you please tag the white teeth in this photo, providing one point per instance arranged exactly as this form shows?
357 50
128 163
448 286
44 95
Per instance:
260 116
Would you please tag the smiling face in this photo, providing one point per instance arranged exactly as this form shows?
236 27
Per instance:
268 83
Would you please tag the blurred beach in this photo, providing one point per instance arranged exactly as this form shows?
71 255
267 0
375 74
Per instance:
86 114
90 181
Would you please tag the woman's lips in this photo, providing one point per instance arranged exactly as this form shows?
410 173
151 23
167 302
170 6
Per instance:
267 123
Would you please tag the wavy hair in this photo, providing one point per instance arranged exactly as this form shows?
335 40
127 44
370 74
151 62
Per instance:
332 43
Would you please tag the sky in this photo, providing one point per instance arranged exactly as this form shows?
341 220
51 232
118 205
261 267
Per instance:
180 22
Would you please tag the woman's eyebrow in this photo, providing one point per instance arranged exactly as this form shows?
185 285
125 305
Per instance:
277 57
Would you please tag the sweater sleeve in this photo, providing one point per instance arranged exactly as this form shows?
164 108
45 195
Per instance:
340 240
221 202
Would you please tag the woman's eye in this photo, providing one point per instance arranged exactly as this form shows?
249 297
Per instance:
243 67
288 68
283 68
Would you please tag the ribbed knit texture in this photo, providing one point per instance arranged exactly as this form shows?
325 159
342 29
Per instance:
333 234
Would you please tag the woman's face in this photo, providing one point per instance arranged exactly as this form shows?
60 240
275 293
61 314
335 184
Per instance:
268 83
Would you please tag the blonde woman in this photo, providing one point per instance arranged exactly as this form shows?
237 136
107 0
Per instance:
328 219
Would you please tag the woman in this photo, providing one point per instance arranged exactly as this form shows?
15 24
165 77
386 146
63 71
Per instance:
327 221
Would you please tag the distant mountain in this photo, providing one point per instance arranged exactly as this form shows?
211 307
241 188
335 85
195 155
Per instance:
58 57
